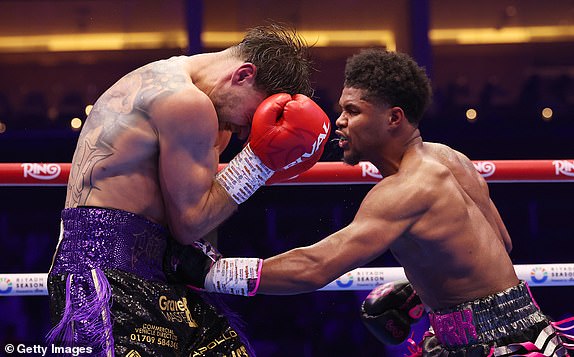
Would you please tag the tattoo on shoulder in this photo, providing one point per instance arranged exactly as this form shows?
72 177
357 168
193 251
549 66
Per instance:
118 109
138 90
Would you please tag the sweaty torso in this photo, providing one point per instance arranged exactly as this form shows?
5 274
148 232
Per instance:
115 164
455 251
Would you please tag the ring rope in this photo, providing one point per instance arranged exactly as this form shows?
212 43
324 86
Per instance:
323 173
56 174
25 284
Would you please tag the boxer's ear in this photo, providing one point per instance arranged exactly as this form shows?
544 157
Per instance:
244 74
396 116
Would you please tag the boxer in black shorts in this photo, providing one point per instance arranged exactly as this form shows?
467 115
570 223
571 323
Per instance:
146 168
105 253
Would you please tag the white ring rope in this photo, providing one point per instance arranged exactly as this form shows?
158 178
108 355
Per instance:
355 280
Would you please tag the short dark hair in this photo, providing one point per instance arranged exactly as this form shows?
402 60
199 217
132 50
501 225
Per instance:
281 57
390 78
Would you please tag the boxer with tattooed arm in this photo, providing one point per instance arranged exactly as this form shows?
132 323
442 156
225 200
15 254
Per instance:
145 170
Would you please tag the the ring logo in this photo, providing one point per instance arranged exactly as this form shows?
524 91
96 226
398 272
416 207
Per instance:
41 171
538 275
485 168
564 167
368 169
345 281
5 285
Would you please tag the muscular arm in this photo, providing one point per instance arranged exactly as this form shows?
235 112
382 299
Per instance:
195 204
385 214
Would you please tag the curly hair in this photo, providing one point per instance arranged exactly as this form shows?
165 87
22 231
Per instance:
390 78
281 57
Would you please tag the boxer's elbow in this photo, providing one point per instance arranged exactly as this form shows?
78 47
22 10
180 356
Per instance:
200 221
189 228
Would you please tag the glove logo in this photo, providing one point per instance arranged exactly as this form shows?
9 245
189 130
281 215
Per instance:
381 290
316 146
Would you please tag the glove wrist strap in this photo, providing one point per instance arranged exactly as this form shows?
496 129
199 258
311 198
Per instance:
236 276
243 175
208 249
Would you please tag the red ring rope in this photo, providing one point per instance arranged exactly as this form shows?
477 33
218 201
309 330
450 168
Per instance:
323 173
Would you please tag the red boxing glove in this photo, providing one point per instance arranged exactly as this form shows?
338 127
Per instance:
289 134
389 311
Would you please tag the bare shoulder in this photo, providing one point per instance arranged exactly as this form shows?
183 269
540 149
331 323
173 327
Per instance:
460 166
424 174
186 102
408 193
450 157
168 82
172 100
419 184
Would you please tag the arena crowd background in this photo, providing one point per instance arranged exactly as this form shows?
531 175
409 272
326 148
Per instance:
511 61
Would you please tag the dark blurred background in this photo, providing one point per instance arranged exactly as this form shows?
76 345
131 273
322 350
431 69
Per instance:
510 61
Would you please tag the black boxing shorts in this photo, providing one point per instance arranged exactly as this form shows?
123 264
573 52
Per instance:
109 294
508 323
157 319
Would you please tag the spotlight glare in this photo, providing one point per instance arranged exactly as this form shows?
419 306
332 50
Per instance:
76 123
471 115
88 109
547 114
